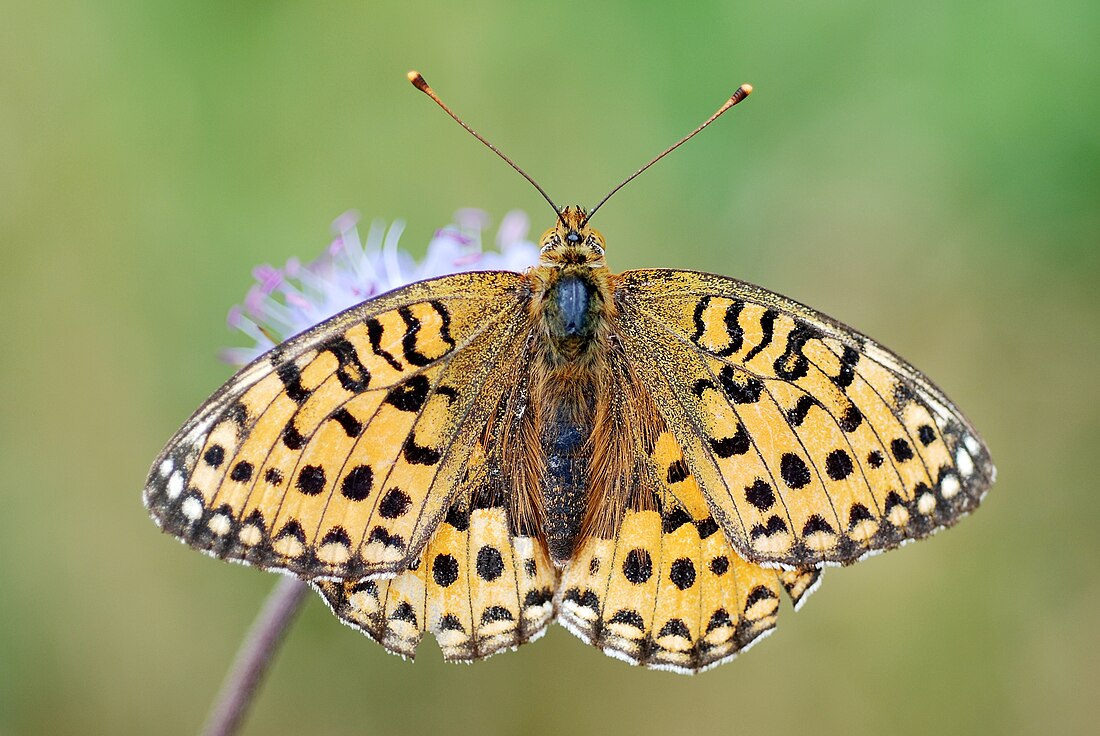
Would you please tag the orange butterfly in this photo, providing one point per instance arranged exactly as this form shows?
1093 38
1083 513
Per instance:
647 457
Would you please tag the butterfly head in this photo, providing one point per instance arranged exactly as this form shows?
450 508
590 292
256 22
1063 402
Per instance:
572 242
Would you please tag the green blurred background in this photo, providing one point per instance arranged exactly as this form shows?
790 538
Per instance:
929 173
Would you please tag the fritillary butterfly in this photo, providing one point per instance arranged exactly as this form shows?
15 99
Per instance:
648 458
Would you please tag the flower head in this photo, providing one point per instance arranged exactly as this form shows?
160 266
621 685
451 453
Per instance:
286 301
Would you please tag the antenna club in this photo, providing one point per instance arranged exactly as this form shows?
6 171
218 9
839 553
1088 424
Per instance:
742 92
418 81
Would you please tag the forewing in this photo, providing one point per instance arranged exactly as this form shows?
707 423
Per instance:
336 454
478 587
811 443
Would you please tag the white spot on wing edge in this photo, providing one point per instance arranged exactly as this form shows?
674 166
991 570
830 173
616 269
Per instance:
964 462
191 508
926 503
166 466
972 444
219 524
950 486
174 487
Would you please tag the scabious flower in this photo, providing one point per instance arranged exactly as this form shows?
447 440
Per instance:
286 301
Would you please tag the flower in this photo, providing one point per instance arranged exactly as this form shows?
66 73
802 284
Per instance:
286 301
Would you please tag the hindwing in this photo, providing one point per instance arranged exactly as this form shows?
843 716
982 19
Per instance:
479 586
668 590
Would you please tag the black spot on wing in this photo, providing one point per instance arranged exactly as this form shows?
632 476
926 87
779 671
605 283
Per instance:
242 472
677 471
214 456
351 373
411 394
237 413
851 419
458 517
719 619
450 622
740 388
706 527
352 427
538 597
404 612
901 450
629 617
774 525
675 627
291 377
409 350
336 535
638 566
394 504
816 523
757 594
848 360
794 471
858 513
445 570
585 598
797 414
381 535
734 332
292 438
674 520
374 334
839 465
490 564
760 495
767 326
793 364
420 454
682 573
736 444
496 613
357 484
311 480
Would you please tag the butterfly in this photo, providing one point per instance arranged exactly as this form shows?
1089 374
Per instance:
651 458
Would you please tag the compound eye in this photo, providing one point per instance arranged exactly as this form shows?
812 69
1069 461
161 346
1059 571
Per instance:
573 237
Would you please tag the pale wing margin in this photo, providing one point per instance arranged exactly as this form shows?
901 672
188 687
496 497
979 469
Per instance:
424 329
677 326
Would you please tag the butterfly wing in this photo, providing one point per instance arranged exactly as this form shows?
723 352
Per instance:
669 591
811 443
479 587
336 454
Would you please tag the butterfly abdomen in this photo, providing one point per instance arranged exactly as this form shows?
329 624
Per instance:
564 494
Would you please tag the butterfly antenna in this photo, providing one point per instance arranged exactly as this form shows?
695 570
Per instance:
742 92
421 84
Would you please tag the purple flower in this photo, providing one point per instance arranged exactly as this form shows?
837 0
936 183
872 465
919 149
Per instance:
284 302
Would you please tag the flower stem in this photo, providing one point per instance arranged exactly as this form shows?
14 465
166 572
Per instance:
254 657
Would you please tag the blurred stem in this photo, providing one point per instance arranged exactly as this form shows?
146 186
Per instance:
254 657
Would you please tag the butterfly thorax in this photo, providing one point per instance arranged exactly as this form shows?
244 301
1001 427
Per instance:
572 292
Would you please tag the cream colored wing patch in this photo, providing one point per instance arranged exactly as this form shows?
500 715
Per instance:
477 587
811 443
336 454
